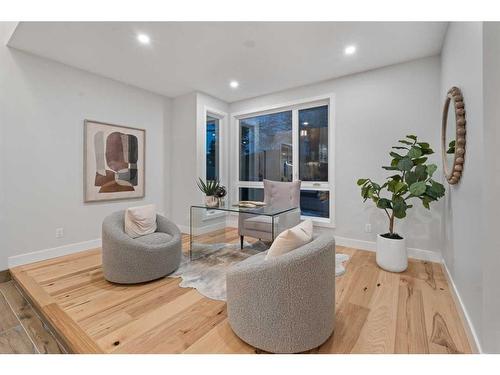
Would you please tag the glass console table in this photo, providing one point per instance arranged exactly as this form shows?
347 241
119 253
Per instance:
213 226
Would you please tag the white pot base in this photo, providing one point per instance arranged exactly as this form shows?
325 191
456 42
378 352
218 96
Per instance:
391 254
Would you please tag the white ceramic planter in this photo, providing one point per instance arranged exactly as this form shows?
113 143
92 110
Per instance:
211 201
391 254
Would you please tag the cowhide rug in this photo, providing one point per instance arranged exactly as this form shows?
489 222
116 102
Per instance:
207 273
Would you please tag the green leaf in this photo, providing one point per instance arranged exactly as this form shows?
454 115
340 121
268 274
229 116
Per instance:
399 208
399 148
414 153
431 194
395 155
419 161
438 189
403 141
390 168
384 203
399 186
362 181
417 188
375 186
431 168
423 145
405 164
395 177
410 177
411 136
427 151
451 147
391 184
425 202
421 172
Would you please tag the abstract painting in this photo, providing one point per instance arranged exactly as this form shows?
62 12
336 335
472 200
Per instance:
114 161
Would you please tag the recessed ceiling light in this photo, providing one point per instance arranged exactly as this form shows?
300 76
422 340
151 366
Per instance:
234 84
305 123
349 50
143 38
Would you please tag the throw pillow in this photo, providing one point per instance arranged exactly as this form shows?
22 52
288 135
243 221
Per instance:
140 221
291 239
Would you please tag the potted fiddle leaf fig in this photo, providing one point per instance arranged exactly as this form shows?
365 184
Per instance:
411 180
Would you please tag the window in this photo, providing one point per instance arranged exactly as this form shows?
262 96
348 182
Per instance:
212 148
315 203
266 147
289 144
251 194
313 144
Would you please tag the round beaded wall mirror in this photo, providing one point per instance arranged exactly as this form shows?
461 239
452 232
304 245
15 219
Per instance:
453 139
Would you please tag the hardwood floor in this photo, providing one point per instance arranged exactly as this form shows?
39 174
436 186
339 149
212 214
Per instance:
21 330
376 311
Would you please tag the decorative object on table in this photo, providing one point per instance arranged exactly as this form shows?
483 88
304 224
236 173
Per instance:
220 193
453 147
128 260
249 204
209 188
114 161
412 179
287 304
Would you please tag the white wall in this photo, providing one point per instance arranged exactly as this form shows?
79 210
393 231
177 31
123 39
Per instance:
491 187
462 59
372 111
182 186
42 108
188 150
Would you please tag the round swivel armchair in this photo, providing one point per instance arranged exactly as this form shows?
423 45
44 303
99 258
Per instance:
284 304
127 260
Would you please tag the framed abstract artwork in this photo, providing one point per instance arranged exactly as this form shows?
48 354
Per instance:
114 161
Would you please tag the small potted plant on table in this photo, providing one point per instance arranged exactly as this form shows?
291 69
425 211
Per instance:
210 189
412 179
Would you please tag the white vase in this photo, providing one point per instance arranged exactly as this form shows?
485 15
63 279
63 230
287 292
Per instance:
391 254
211 201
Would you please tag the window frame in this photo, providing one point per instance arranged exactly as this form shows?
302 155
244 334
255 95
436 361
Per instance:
223 151
294 106
219 145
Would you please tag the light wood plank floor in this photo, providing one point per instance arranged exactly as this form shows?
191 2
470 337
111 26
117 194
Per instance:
376 311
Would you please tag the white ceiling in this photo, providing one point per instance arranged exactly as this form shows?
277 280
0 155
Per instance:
264 57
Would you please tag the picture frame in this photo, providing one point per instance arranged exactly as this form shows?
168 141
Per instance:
114 162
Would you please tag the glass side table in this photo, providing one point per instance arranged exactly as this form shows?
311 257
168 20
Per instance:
212 227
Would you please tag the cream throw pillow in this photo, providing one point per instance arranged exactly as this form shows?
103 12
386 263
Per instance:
140 221
291 239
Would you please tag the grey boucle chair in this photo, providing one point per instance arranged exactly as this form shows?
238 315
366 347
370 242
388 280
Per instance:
285 304
127 260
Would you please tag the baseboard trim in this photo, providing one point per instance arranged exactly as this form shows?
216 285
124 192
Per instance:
37 256
414 253
464 315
